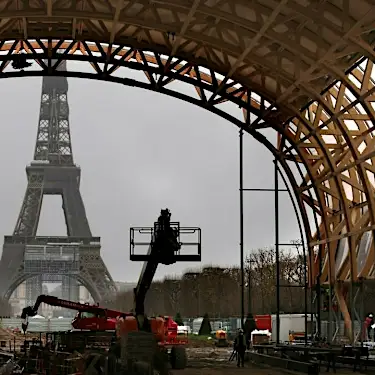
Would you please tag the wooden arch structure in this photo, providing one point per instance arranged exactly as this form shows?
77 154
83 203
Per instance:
299 73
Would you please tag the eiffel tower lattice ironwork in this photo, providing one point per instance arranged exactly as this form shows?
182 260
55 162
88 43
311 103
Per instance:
71 260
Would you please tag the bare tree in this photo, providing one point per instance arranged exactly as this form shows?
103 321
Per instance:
172 290
154 304
190 289
217 290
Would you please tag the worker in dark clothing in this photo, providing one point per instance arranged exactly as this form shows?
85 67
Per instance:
369 324
240 347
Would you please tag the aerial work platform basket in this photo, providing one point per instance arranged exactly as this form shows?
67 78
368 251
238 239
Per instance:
186 247
188 239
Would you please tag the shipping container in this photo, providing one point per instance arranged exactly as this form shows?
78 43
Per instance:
288 323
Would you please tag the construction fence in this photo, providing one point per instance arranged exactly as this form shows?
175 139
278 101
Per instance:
38 325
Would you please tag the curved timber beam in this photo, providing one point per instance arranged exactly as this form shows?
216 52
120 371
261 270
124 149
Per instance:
153 65
300 75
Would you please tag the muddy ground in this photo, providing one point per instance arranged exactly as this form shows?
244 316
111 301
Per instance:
214 361
204 359
213 370
213 367
225 369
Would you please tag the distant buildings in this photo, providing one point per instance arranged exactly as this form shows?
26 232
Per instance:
124 286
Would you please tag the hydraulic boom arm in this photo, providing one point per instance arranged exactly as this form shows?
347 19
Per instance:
163 249
54 301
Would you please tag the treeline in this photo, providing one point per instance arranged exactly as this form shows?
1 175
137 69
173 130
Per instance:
217 291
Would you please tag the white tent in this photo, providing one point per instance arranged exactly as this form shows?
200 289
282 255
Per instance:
38 317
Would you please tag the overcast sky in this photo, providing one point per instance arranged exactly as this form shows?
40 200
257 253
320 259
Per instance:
139 152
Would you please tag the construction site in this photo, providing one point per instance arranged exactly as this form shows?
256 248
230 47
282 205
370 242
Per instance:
296 75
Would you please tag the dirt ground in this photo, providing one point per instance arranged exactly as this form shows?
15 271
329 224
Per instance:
204 359
251 370
226 370
212 367
214 361
16 339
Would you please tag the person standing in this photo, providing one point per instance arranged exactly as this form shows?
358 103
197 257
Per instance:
367 327
240 348
369 323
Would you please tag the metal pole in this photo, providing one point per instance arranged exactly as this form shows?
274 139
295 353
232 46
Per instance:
330 315
306 295
319 297
242 233
352 309
302 244
277 254
249 304
361 310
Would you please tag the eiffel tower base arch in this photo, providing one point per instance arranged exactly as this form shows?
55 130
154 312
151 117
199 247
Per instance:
55 259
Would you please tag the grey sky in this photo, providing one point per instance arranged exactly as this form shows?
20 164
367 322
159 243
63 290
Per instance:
140 152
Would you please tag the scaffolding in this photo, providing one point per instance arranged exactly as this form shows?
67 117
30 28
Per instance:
53 262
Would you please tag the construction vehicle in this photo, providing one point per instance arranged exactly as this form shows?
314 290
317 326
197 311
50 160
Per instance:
296 337
89 317
221 338
164 248
96 318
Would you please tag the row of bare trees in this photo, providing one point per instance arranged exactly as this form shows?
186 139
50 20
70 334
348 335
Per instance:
217 290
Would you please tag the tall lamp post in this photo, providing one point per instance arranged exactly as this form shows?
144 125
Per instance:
276 190
242 231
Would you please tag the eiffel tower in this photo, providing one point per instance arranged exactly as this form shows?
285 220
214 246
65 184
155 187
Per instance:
72 260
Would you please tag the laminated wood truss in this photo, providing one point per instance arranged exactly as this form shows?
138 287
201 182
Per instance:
299 74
